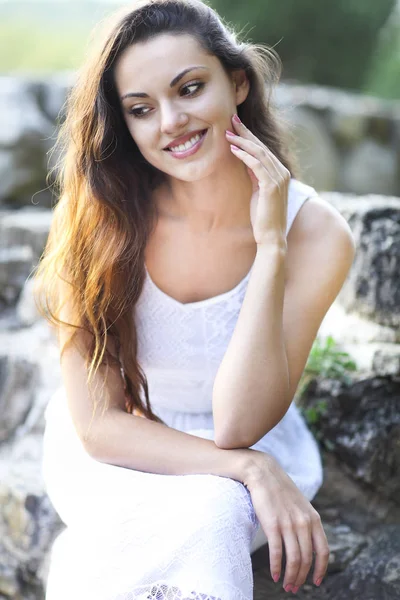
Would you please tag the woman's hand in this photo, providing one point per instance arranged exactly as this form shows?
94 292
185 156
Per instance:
270 180
284 512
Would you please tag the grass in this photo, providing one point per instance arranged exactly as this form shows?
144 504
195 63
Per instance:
30 47
326 359
48 39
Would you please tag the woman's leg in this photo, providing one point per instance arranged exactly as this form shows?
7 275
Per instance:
130 533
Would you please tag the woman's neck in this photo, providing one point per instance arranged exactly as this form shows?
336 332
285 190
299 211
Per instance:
208 205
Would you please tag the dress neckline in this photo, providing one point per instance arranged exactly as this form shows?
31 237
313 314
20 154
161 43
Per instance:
198 303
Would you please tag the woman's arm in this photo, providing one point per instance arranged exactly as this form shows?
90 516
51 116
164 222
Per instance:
131 441
137 443
268 351
293 283
114 436
278 323
250 393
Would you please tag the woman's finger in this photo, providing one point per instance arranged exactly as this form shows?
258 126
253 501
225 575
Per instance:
321 548
274 537
258 151
244 132
270 215
293 555
303 530
241 129
253 163
262 174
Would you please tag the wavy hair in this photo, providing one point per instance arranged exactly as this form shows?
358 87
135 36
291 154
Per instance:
93 260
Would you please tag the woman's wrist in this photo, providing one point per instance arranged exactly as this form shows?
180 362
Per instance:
255 465
249 465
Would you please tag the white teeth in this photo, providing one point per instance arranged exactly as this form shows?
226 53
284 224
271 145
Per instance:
187 145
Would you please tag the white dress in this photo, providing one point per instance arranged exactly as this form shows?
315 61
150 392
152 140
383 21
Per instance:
132 535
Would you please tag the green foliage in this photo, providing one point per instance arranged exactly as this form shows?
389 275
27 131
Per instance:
26 47
43 37
383 77
312 415
330 43
325 360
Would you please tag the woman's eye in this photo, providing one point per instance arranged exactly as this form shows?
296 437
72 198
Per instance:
137 112
142 111
198 85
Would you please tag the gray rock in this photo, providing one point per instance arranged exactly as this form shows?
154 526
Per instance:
25 227
386 360
28 522
9 585
368 168
375 572
27 312
347 128
314 149
360 491
15 265
7 171
326 99
353 330
52 94
361 425
344 545
358 522
344 499
370 570
36 346
18 379
372 288
20 117
362 130
25 133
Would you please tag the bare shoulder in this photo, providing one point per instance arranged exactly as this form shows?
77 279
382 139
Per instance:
320 237
320 252
315 216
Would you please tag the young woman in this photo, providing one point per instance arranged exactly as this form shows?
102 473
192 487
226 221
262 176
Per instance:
187 273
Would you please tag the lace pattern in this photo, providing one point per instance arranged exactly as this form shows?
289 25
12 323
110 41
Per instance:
132 535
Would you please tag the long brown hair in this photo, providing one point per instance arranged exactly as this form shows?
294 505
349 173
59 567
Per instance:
94 256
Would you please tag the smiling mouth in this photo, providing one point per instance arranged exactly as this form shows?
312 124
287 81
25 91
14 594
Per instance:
182 147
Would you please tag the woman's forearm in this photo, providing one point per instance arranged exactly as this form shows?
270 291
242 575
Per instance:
250 394
134 442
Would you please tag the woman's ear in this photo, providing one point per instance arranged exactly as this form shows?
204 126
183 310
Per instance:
241 85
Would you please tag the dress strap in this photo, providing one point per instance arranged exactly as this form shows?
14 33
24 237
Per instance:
298 193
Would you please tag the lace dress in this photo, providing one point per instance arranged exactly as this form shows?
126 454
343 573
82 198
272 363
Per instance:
132 535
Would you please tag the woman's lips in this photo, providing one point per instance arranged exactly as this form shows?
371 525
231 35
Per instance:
190 150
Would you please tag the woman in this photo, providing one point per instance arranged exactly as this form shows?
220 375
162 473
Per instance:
187 273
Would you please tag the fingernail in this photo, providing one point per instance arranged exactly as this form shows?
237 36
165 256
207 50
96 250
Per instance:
319 581
229 132
295 589
236 119
288 588
234 147
276 577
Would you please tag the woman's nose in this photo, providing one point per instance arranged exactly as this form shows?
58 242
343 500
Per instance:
172 120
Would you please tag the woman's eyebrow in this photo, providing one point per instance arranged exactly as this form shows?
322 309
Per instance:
173 82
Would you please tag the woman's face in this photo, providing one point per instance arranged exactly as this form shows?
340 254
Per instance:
169 88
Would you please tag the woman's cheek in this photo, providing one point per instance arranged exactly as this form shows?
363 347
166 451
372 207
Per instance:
141 140
149 152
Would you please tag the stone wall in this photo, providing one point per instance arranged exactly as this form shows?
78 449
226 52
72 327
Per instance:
360 499
346 136
344 142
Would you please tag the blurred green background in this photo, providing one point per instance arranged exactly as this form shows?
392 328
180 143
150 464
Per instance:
350 44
